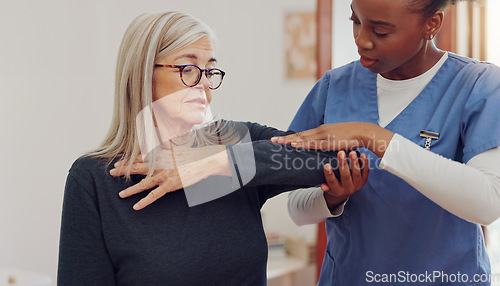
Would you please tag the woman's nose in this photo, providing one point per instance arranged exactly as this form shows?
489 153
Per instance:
204 82
362 40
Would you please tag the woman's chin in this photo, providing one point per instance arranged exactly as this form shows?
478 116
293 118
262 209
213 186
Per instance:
195 119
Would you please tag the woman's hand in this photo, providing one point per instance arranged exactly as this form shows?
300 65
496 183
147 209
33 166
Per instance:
341 136
169 180
351 179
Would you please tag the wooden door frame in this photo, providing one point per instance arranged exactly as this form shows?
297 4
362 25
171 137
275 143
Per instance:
324 34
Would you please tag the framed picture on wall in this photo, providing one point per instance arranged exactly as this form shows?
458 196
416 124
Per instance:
300 45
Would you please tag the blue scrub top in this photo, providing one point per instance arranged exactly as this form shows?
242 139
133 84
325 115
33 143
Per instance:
389 233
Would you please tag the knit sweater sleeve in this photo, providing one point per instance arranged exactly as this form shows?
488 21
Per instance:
83 256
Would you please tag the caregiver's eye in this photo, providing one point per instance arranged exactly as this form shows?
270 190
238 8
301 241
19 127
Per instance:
380 35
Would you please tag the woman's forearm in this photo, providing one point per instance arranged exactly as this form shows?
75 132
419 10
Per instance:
278 164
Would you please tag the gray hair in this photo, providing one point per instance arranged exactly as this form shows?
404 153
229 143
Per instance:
148 38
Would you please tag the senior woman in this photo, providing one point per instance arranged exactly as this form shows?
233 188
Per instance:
164 81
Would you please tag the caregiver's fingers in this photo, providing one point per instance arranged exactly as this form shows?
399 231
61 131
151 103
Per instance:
345 173
331 180
356 174
365 170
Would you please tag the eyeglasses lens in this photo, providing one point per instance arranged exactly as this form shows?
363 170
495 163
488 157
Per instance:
215 78
191 75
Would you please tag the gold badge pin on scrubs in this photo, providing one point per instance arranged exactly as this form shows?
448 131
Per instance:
428 135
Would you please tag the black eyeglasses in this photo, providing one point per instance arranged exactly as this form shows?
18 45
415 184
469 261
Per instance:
191 75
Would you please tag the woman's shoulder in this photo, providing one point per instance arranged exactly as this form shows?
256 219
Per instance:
227 128
88 163
245 125
256 131
91 173
89 168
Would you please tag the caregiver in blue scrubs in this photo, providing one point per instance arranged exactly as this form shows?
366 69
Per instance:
428 121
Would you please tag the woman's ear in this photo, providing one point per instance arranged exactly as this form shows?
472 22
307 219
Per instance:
433 24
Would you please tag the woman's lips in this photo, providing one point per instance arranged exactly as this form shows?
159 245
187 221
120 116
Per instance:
198 101
367 62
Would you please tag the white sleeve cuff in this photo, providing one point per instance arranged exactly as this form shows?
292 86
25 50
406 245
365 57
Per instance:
339 210
392 152
308 206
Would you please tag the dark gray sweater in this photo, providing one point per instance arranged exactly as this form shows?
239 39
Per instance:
105 242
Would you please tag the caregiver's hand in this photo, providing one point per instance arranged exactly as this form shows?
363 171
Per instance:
169 180
341 136
351 179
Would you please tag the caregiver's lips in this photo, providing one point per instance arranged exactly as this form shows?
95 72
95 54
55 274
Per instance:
367 62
